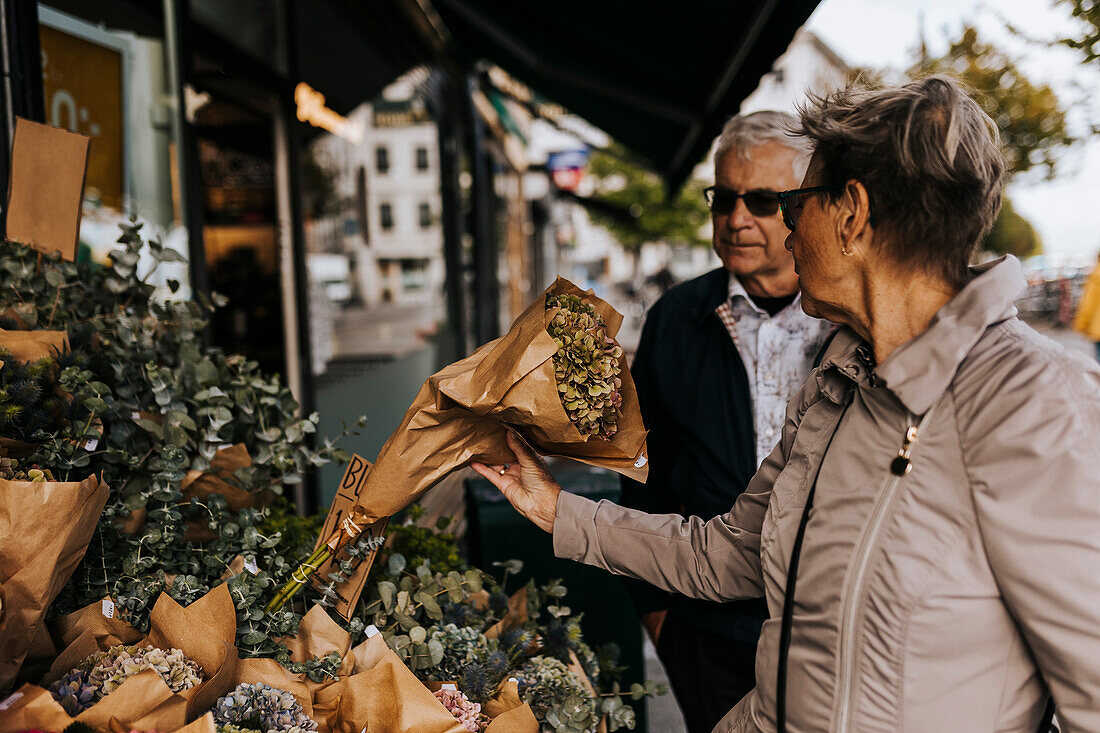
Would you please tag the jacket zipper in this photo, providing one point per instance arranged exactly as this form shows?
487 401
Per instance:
848 614
899 468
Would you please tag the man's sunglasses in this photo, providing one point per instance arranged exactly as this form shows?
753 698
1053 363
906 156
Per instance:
790 203
723 201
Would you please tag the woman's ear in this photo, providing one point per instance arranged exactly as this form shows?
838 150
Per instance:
854 222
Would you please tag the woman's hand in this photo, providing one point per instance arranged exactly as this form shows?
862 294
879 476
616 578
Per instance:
526 484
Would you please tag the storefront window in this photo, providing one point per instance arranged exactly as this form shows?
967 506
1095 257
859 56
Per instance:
110 83
375 261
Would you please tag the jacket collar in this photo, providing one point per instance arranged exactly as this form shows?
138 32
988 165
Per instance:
921 370
713 291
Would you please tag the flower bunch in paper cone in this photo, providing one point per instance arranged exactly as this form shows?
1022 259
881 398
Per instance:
259 706
103 672
586 366
461 412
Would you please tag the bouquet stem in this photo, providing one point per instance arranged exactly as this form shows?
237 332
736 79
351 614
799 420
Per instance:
299 578
349 531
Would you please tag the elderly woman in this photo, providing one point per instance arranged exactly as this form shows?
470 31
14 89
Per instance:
927 531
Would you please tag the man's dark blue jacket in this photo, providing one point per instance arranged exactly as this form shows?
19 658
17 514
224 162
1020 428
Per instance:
695 400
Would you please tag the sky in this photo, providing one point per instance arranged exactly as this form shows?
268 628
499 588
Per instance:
886 34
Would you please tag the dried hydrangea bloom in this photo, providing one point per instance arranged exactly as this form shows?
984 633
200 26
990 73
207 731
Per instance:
74 692
107 670
258 706
586 366
465 712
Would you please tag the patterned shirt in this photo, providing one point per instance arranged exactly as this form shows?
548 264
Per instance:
778 352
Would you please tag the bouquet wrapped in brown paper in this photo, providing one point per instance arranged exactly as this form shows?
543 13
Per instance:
508 713
526 380
142 702
202 633
381 695
45 527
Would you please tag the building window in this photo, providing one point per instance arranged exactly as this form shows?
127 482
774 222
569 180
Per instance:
385 214
414 275
422 159
382 159
425 216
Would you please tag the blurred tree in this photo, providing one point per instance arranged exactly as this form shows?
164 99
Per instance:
1030 117
1087 11
319 186
654 217
1012 234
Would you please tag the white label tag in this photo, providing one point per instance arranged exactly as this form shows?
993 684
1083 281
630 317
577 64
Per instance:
10 700
108 608
135 415
250 566
91 444
372 631
642 460
448 686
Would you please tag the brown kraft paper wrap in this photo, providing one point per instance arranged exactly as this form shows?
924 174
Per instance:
318 635
33 345
509 714
205 724
270 672
203 631
45 528
381 696
141 697
102 620
460 413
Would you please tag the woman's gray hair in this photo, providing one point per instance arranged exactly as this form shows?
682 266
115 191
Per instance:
930 159
742 133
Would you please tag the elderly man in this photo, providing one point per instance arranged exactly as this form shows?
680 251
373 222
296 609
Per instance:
718 359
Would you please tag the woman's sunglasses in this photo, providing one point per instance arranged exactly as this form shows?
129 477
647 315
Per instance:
723 201
790 203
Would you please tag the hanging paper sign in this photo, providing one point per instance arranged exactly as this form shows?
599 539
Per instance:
46 189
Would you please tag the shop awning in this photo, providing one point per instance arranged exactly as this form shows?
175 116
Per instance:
660 77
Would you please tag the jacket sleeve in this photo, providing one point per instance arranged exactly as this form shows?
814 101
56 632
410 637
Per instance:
716 560
652 497
1034 462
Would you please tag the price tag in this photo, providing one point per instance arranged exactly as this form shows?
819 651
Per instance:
448 686
91 444
10 700
108 608
372 631
642 460
250 566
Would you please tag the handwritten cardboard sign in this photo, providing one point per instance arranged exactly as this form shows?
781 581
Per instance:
46 190
351 485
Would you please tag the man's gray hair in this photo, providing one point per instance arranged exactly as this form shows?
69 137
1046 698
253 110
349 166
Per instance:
742 133
930 159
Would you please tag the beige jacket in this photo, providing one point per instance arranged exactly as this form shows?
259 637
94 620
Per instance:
944 601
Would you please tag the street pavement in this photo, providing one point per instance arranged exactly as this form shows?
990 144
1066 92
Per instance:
388 329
